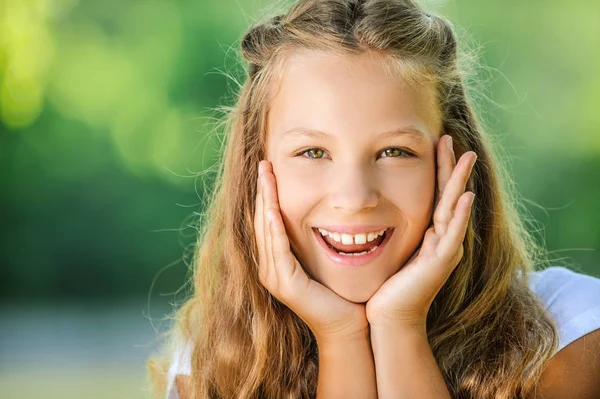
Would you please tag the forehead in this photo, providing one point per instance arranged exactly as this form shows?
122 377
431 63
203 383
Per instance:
342 93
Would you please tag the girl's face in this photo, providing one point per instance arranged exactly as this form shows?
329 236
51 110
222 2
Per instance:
352 146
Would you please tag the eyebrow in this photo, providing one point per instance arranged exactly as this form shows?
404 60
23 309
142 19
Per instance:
408 131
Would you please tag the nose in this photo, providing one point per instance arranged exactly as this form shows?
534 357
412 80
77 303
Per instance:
353 190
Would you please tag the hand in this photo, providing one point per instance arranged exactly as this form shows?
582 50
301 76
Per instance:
328 315
404 299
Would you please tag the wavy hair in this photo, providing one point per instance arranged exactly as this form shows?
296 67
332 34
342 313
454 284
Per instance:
489 333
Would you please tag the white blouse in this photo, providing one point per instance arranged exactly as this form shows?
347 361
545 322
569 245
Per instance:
573 299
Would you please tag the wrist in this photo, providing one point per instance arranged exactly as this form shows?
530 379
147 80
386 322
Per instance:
343 338
400 329
346 366
385 319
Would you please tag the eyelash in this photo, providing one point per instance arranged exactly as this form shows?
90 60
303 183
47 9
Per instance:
408 153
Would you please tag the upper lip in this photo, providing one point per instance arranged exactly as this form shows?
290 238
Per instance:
356 229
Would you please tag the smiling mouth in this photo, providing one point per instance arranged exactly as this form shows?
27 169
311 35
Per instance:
352 249
354 255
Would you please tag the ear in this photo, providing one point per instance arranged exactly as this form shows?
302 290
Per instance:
183 383
574 370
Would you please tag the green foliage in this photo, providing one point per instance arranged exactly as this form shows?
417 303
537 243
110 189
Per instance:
106 117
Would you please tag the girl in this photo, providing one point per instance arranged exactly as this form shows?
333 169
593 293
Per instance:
361 241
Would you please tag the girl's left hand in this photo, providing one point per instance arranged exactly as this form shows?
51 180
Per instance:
404 299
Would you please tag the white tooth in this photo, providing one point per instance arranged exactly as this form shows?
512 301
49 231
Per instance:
358 254
349 239
346 239
360 239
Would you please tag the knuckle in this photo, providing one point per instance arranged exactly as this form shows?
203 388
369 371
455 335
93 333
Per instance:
271 206
440 216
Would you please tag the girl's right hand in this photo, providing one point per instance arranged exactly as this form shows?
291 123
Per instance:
328 315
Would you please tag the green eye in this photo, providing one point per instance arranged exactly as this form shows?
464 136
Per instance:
316 151
395 152
392 152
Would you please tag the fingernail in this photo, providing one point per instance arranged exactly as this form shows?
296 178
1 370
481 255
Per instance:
449 143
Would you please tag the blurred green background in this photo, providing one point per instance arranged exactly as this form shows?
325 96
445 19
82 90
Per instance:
106 114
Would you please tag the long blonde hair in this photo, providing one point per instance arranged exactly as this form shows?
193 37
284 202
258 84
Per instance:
489 333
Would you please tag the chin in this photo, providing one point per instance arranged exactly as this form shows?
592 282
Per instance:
354 294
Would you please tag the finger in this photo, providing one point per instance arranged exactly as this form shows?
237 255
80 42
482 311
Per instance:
451 242
282 255
267 195
452 192
259 232
445 165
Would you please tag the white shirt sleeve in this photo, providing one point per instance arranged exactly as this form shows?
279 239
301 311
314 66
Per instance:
181 364
572 298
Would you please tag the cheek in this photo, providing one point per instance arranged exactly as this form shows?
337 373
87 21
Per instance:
297 192
412 193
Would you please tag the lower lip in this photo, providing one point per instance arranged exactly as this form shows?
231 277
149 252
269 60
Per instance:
351 260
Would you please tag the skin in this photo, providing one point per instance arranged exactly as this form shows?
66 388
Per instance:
345 176
571 374
354 100
367 321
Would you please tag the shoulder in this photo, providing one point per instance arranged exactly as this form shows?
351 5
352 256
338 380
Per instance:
574 301
573 371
